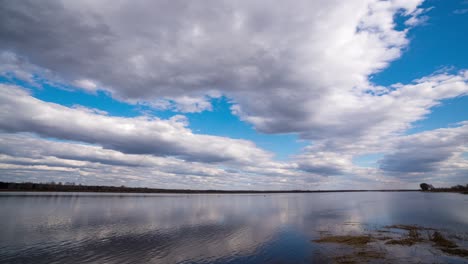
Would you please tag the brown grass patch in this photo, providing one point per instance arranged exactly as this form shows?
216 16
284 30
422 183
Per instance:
383 231
348 240
383 238
441 241
456 251
408 227
359 257
402 242
415 234
448 246
413 238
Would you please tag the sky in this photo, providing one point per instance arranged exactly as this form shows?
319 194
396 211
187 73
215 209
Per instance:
261 95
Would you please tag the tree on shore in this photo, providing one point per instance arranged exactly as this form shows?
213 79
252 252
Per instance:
426 187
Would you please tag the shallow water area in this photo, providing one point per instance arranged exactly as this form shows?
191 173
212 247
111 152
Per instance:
226 228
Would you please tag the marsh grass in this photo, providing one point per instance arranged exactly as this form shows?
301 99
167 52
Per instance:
415 234
363 255
359 257
448 246
408 227
412 238
348 240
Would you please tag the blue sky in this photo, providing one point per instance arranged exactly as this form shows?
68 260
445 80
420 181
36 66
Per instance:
244 97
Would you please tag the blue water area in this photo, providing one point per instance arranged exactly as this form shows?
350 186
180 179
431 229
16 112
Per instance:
228 228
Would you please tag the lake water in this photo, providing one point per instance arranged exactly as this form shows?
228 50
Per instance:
225 228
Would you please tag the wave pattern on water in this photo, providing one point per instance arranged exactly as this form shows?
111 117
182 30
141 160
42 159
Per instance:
275 228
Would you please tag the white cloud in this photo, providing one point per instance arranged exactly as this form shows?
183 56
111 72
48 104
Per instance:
86 84
20 112
94 164
182 104
290 68
435 151
263 49
299 67
13 66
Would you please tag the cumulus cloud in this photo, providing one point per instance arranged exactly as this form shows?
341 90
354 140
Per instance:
25 149
300 68
86 84
324 163
345 115
288 68
154 49
182 104
12 66
371 123
20 112
27 157
438 155
430 151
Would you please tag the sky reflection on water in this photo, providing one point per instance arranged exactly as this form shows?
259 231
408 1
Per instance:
271 228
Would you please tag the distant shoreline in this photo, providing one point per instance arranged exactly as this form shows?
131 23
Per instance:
53 187
208 191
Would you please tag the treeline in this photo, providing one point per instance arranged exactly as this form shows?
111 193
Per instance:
457 188
71 187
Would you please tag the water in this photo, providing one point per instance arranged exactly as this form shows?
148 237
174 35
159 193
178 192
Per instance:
199 228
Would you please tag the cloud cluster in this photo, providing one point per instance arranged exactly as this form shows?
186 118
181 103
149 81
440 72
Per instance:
20 112
430 151
27 157
374 123
153 49
299 68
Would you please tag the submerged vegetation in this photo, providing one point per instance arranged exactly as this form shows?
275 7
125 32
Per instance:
359 257
374 245
348 240
448 246
412 237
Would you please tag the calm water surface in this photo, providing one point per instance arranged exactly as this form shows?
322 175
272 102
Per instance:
238 228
